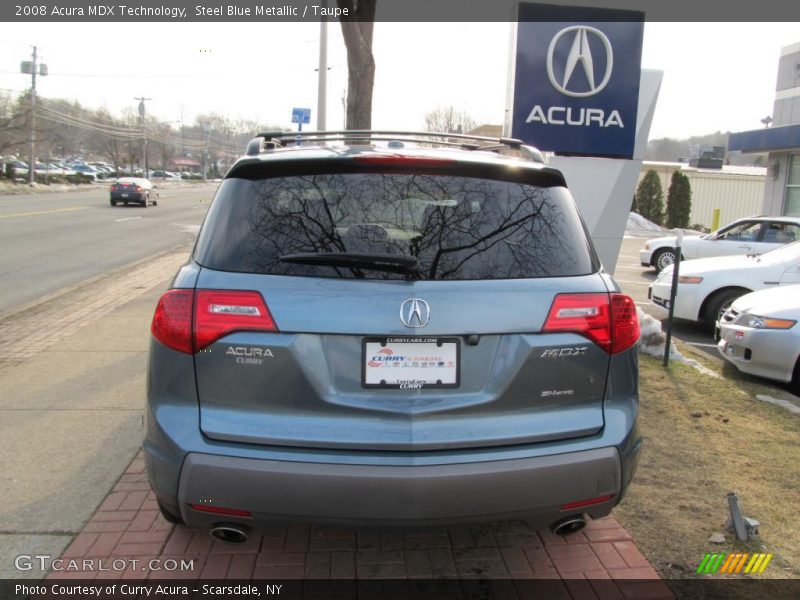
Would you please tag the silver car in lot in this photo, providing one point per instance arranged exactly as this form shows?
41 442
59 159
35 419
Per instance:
759 334
383 334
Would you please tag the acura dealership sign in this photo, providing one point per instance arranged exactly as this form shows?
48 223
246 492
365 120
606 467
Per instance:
576 83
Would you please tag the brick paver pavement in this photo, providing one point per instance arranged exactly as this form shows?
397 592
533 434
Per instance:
601 561
30 331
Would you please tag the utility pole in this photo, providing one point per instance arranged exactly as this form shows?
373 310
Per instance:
322 81
182 151
33 68
207 131
142 100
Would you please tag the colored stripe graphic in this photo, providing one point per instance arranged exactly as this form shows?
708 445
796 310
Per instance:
753 562
765 563
730 562
735 562
702 567
741 562
717 562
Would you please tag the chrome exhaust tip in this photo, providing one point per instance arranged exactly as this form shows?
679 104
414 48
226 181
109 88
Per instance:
229 533
568 525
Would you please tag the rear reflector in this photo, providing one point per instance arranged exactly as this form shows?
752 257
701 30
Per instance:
590 502
218 313
218 510
609 320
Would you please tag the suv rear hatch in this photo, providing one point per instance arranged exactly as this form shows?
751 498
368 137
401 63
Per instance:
400 306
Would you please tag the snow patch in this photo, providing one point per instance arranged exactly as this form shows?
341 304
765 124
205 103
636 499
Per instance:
638 224
652 341
790 406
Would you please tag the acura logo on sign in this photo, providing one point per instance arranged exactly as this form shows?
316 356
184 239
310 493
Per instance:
580 55
415 313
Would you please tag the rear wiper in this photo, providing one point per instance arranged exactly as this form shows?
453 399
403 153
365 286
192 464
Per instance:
391 263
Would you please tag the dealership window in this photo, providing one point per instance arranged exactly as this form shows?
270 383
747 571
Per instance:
792 204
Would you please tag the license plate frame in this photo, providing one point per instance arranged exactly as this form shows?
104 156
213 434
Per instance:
444 348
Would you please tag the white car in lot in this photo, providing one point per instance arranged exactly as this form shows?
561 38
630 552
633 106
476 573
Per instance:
752 235
759 334
708 286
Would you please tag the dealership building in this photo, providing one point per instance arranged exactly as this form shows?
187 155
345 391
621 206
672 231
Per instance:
781 140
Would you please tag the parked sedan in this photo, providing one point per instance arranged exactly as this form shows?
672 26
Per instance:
707 287
134 189
744 236
759 334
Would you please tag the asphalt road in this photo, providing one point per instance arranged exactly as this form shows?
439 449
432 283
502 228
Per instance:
635 279
52 241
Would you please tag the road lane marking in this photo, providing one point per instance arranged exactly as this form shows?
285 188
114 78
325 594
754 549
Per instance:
126 219
43 212
633 282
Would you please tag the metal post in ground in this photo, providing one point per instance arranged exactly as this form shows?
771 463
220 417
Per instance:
673 292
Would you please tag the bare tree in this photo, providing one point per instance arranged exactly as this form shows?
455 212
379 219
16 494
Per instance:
357 32
448 120
13 124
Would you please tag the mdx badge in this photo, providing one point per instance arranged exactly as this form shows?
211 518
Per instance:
415 313
564 352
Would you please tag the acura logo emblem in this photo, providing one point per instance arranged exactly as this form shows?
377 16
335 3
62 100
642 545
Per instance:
415 313
580 53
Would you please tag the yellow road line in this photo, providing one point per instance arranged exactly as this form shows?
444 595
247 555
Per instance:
43 212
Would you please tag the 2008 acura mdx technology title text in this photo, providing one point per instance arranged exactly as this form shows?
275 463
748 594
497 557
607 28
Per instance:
375 330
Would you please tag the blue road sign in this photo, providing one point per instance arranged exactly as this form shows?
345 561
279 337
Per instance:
301 115
576 85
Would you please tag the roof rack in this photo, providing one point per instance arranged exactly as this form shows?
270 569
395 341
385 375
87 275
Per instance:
270 140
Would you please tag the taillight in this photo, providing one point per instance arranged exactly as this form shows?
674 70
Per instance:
216 314
625 325
220 312
137 189
113 187
610 321
172 321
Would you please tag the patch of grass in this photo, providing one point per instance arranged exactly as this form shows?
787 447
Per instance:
705 437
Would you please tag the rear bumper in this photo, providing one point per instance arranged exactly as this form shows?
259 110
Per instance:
128 196
284 492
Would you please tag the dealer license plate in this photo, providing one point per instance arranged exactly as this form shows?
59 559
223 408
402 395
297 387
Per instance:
411 363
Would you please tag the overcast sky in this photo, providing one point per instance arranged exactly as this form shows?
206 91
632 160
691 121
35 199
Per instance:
717 76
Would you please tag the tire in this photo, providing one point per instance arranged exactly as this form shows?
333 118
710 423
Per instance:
794 386
719 303
169 517
113 203
663 258
145 201
155 202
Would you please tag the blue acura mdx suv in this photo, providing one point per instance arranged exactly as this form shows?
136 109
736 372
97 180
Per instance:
378 328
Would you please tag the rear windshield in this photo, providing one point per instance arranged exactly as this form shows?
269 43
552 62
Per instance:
458 228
